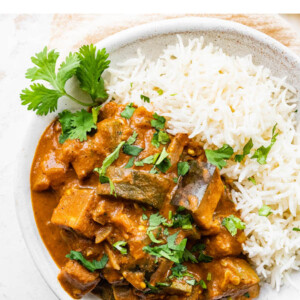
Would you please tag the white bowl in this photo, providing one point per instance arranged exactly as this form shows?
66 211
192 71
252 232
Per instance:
233 38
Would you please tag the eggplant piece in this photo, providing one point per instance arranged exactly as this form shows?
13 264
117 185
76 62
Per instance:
200 191
137 185
77 280
123 293
161 273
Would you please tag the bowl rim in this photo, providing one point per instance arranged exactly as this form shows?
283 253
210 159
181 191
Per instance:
116 41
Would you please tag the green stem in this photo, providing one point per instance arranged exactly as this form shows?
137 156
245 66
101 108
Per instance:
78 101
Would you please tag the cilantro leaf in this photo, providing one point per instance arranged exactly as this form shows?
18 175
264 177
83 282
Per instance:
183 167
90 265
202 284
132 139
187 255
218 157
252 179
183 221
66 70
145 98
179 271
132 150
109 160
155 220
262 152
246 151
128 111
191 281
232 223
148 160
130 163
163 163
163 137
144 217
204 258
75 125
154 140
158 122
153 238
92 65
40 99
265 211
119 246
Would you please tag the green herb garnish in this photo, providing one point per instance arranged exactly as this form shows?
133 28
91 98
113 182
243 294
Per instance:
90 265
262 152
232 224
128 111
182 168
158 122
119 246
246 151
265 211
145 98
218 157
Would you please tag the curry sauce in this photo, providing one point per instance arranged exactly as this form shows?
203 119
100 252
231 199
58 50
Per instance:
156 212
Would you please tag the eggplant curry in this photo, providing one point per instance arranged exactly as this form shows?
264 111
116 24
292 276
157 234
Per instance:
132 212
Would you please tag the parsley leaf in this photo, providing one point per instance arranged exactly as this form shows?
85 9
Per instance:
262 152
145 98
128 111
119 246
265 211
90 265
75 125
232 223
218 157
183 167
246 151
158 122
92 65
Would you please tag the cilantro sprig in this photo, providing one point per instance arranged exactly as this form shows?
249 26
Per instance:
87 64
90 265
232 224
218 157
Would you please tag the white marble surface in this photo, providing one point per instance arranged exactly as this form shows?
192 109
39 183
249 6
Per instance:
20 36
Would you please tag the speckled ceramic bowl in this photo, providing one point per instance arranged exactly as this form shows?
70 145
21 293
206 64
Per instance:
233 38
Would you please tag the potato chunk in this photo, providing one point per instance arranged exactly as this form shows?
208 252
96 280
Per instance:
74 211
77 280
200 191
229 277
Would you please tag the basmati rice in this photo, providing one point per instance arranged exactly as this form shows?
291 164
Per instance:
220 99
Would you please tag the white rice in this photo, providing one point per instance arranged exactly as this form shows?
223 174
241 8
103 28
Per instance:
221 99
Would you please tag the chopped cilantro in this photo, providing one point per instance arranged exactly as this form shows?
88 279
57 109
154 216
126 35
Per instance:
218 157
183 167
202 257
265 211
163 163
163 284
144 217
95 113
183 221
153 238
262 152
132 150
75 125
208 278
130 163
145 98
203 284
252 179
90 265
191 281
160 92
119 246
170 215
247 295
246 151
128 111
296 229
232 224
148 160
175 179
166 232
132 139
158 122
180 209
179 271
155 220
188 256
